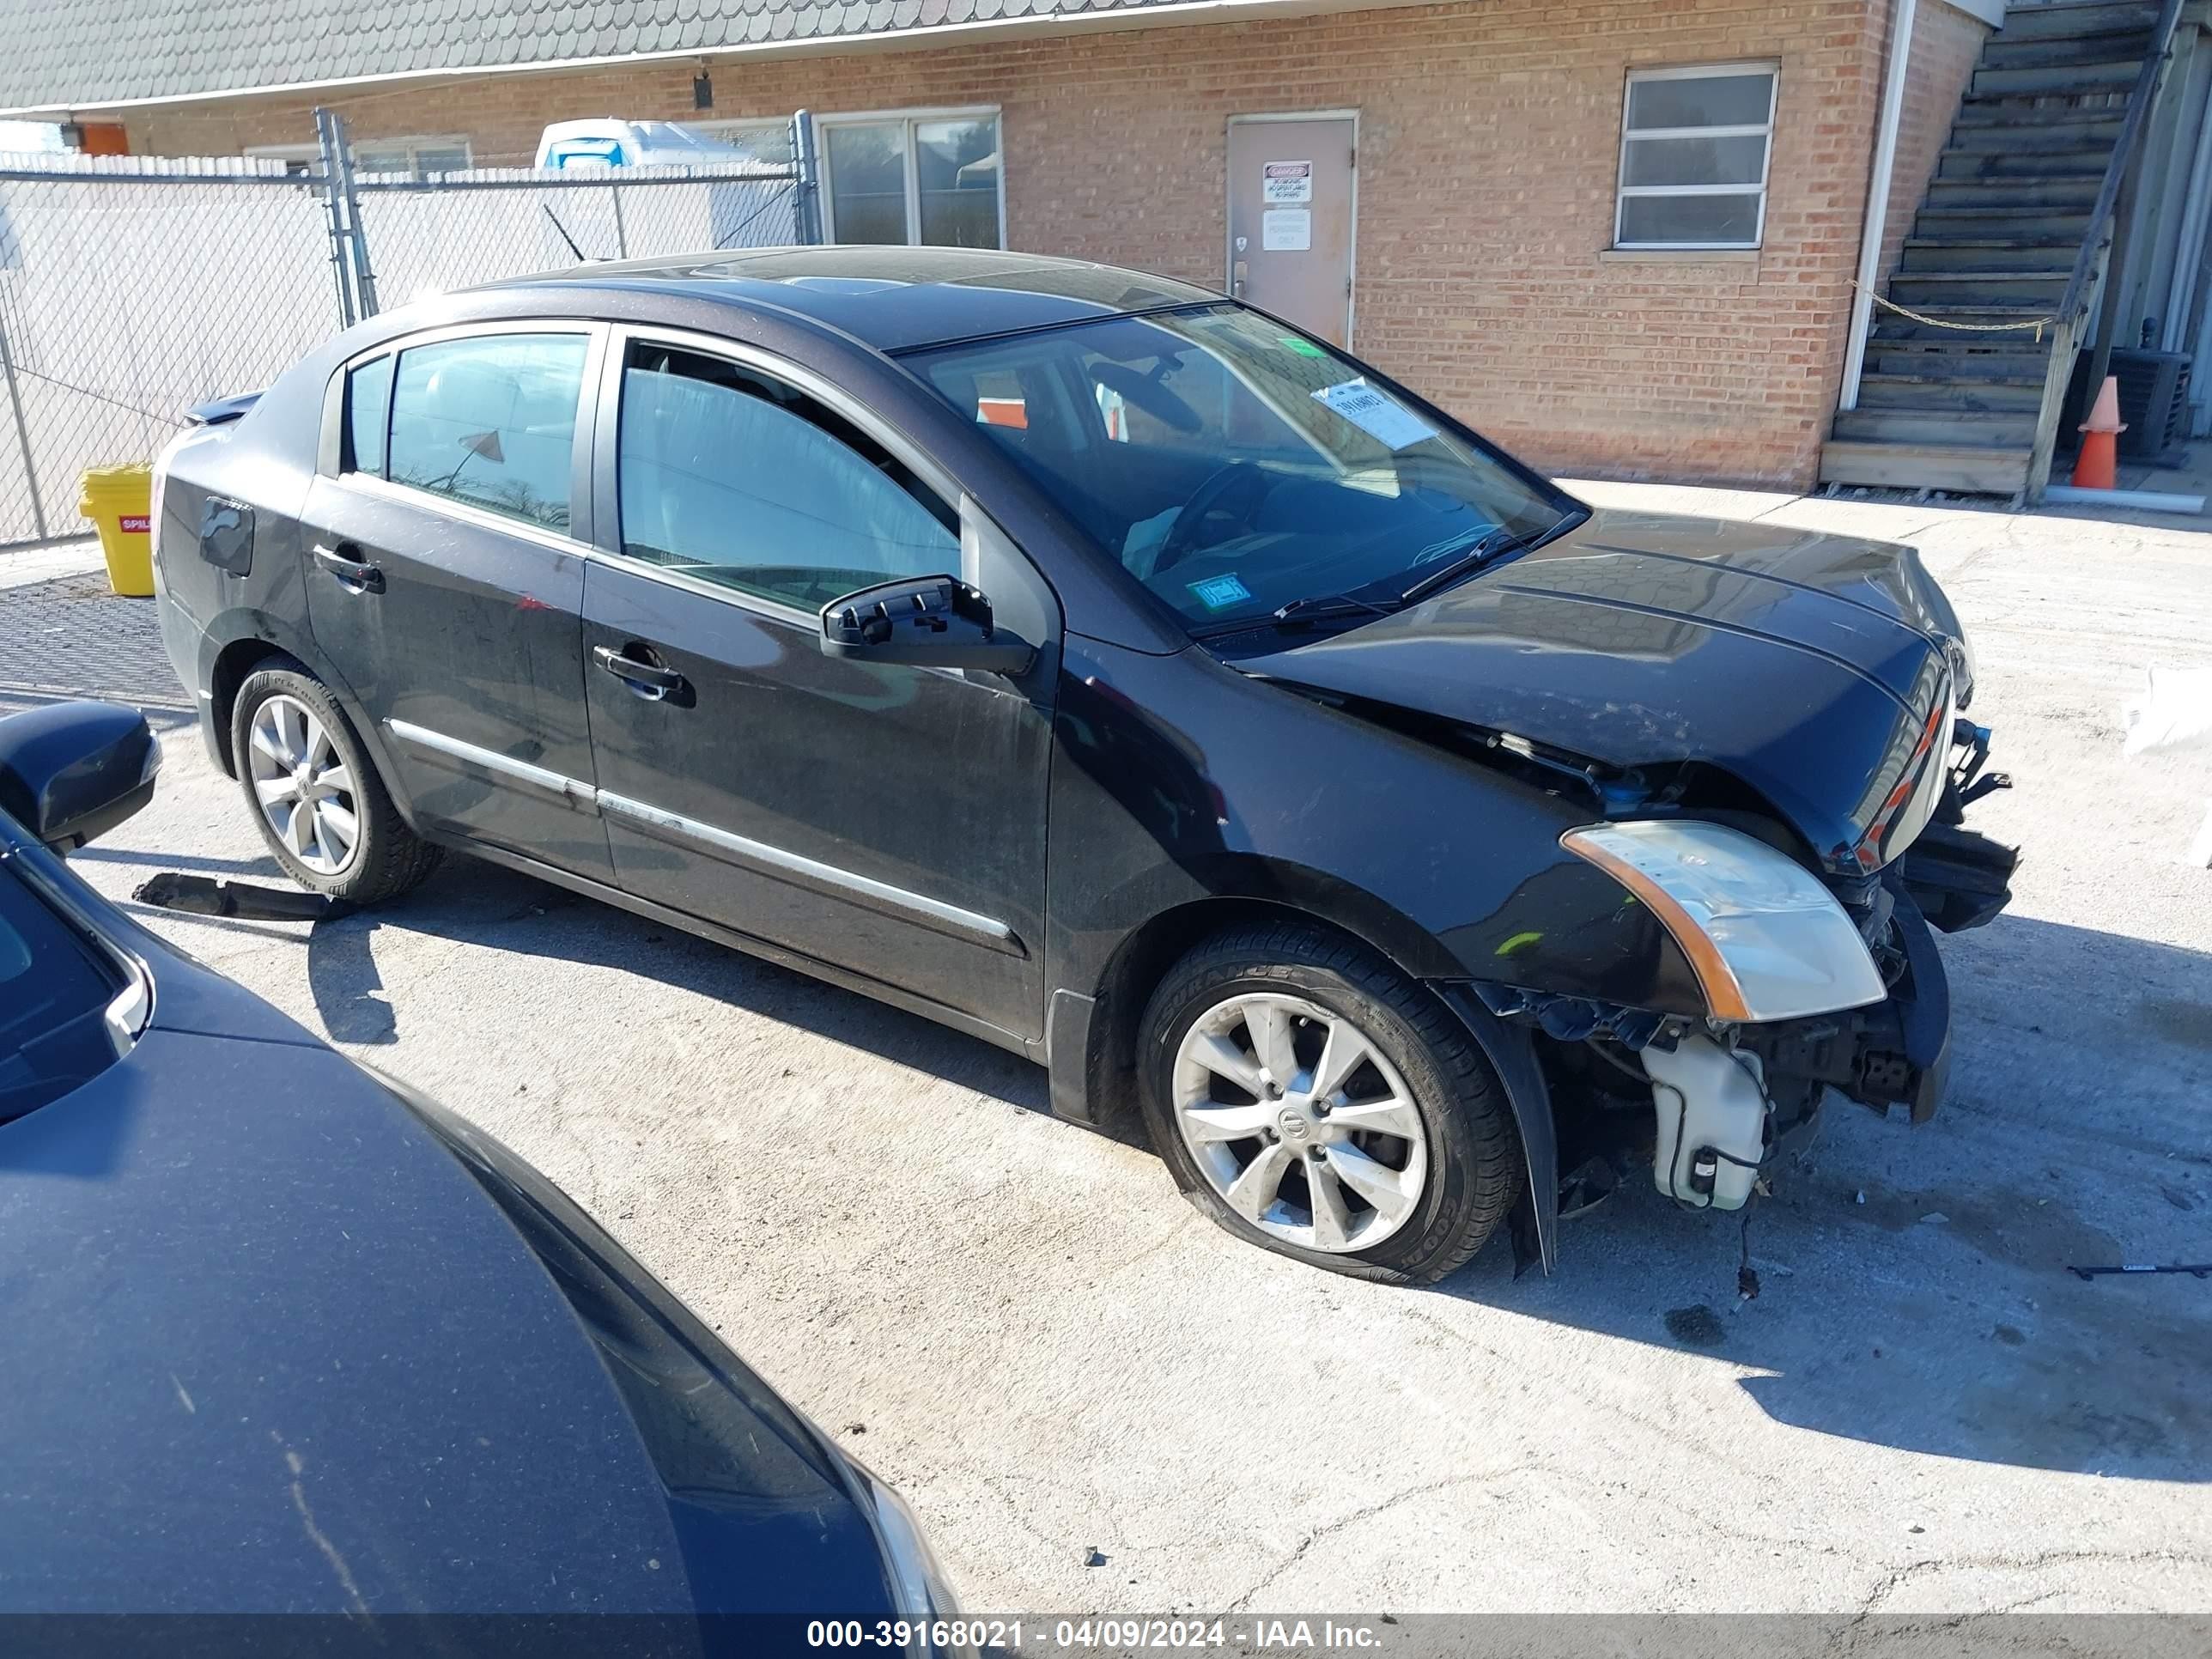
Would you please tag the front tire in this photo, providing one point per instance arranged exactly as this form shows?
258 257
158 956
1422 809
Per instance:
1315 1100
314 794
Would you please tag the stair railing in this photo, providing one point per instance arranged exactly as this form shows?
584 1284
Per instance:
2110 219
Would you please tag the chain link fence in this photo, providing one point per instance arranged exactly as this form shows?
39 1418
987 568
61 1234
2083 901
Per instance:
132 288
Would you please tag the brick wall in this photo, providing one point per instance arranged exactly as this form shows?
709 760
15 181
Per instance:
1489 145
1946 44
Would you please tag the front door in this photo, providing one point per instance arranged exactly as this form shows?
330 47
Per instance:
446 593
883 819
1291 181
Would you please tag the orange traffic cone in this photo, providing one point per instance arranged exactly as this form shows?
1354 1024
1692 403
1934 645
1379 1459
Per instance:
2094 468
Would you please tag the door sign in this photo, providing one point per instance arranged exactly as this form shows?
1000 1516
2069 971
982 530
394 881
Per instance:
1283 184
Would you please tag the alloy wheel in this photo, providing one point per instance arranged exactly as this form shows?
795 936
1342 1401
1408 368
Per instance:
303 785
1299 1123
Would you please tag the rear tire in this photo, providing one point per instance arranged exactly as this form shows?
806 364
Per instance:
315 795
1397 1167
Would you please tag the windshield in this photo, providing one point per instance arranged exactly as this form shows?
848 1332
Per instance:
1233 466
53 1001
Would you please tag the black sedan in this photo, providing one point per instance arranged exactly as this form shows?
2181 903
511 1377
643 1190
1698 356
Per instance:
1117 673
282 1338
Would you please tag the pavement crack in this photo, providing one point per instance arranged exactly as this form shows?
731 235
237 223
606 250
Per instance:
1329 1530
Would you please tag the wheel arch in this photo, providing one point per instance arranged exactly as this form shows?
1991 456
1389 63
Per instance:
1092 1041
257 638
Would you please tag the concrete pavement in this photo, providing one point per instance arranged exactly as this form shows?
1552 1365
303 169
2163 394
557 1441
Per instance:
1023 1327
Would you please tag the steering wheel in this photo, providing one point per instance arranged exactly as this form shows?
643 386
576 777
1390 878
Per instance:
1234 491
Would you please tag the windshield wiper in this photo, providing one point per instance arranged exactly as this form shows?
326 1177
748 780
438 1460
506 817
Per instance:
1321 607
1299 613
1500 540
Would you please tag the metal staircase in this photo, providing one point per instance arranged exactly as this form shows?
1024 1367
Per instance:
2016 228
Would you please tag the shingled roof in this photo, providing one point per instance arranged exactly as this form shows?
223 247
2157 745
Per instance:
83 54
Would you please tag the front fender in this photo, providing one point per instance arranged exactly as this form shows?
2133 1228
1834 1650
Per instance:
1177 780
1511 1052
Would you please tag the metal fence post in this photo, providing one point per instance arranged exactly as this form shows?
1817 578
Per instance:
22 433
807 209
622 236
332 146
364 275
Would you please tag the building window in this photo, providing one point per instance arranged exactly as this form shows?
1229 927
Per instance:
1693 151
767 143
443 152
929 179
418 156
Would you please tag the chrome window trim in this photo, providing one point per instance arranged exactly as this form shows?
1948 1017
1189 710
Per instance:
559 541
760 856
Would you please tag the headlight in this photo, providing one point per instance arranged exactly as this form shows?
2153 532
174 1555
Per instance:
1766 940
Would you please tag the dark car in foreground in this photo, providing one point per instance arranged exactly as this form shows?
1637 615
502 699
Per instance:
283 1338
1113 671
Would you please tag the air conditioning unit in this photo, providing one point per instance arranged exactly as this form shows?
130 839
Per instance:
2154 401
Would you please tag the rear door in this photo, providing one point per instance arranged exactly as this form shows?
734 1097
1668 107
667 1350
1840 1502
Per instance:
446 590
886 820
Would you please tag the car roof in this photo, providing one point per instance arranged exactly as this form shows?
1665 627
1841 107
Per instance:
892 298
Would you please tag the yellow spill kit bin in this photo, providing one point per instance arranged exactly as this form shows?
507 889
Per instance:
119 500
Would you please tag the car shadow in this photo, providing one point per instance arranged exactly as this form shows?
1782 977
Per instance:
1913 1287
469 901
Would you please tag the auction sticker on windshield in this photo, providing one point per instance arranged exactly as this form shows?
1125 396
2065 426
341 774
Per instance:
1375 413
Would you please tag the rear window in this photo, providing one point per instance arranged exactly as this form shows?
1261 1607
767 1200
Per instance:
53 1002
489 420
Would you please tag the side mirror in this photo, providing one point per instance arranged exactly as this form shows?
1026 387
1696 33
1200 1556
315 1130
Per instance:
74 770
923 622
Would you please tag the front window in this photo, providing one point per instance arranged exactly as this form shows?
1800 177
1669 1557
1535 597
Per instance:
915 180
1234 467
732 476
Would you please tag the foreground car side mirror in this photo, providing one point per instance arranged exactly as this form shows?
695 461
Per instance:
74 770
923 622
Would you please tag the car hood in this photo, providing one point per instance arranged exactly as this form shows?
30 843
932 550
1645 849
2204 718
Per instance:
279 1342
1816 670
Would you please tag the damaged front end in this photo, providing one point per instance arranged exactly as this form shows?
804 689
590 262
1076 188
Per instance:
1816 983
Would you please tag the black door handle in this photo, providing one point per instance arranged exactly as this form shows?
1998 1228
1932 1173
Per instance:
648 679
355 573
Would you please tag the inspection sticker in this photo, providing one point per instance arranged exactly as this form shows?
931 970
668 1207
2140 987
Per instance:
1375 414
1219 593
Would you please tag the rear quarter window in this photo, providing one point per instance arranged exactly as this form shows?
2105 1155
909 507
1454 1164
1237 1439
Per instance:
368 415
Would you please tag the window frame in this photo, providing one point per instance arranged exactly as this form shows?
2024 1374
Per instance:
606 479
414 143
911 118
720 130
330 460
1623 191
308 158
